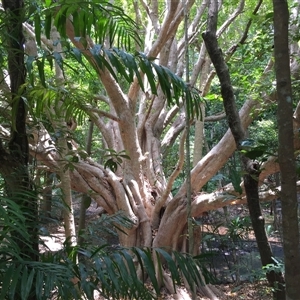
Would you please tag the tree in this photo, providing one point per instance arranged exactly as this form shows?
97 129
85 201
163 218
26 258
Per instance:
15 155
286 150
138 107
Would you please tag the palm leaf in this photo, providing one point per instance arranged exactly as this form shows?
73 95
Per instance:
100 18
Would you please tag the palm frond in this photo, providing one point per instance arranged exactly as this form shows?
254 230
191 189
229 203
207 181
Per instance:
99 19
129 66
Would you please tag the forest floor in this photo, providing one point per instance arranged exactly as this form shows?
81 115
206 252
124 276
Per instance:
245 291
235 261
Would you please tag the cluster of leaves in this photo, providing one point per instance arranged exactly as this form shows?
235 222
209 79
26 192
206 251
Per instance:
277 266
255 150
265 131
114 159
99 19
239 228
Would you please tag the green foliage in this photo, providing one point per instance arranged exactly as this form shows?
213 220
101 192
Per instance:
128 66
277 266
12 219
114 159
235 177
99 19
239 228
265 132
255 150
42 98
103 21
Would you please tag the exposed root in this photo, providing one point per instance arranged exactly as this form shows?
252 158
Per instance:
179 294
208 291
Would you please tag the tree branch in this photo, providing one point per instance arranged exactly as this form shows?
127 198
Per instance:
101 113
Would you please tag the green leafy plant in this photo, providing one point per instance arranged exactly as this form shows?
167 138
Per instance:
235 177
239 228
114 159
277 266
256 150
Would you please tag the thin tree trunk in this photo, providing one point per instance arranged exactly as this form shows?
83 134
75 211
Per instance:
286 157
64 171
86 199
258 224
68 214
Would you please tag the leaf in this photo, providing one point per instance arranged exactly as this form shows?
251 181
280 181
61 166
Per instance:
110 163
48 3
14 281
171 265
39 283
87 202
29 62
49 58
111 272
163 80
129 62
7 280
178 85
95 51
37 28
124 275
129 263
24 282
77 54
183 267
255 152
145 255
147 69
75 159
60 20
235 178
48 24
40 65
29 283
58 59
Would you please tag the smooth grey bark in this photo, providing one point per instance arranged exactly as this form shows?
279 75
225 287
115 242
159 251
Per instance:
288 194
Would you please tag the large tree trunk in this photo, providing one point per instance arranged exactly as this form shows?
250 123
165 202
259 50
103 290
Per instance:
14 160
14 164
286 150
